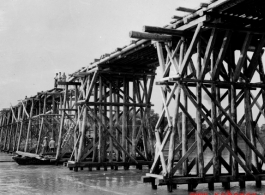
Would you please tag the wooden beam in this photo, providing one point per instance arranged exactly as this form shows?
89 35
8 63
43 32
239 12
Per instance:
194 23
255 57
221 55
189 52
68 83
242 57
149 36
176 17
233 28
152 29
185 9
208 52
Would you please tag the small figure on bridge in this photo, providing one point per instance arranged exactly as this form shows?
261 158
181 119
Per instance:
45 145
56 80
64 77
52 145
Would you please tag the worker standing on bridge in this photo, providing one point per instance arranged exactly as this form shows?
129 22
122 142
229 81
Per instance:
52 145
45 145
56 80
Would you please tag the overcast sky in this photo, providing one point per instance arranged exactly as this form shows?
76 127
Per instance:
41 37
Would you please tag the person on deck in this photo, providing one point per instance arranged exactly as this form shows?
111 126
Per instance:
52 145
45 145
56 80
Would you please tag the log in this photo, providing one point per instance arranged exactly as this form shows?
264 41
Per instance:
149 36
68 83
152 29
58 152
198 115
110 123
185 9
29 125
176 17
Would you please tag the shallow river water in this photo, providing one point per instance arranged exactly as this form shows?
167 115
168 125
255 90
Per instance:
16 179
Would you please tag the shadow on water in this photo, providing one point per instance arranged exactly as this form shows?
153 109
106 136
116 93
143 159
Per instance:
15 179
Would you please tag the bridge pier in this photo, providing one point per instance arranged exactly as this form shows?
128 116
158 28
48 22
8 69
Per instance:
112 126
208 69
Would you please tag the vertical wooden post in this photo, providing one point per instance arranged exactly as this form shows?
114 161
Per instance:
58 152
54 112
95 150
100 130
218 97
214 122
42 123
250 155
76 119
124 120
117 112
21 127
82 136
174 130
134 128
11 131
110 124
183 116
148 93
198 116
7 129
1 127
29 125
233 109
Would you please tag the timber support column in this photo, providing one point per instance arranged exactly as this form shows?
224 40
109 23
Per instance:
64 109
29 125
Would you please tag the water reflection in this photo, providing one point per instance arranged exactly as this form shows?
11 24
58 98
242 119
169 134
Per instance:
15 179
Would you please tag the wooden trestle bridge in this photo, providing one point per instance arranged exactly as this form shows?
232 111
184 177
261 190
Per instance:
214 51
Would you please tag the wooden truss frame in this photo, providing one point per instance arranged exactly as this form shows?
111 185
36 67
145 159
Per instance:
24 126
205 63
114 107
